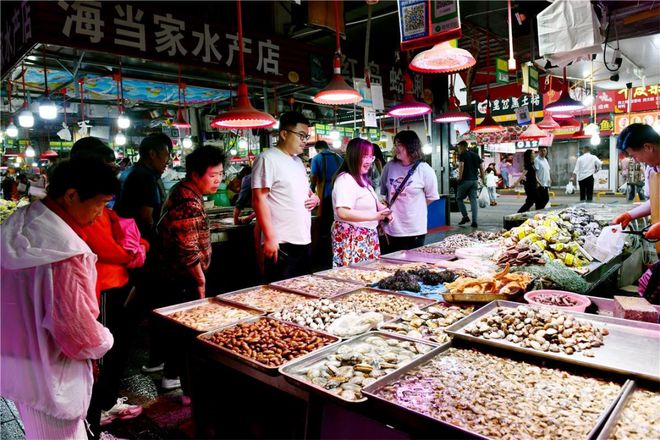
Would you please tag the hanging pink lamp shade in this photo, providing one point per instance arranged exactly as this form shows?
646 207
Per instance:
454 114
409 107
565 105
243 115
180 121
442 58
533 132
548 123
48 154
571 122
488 125
337 92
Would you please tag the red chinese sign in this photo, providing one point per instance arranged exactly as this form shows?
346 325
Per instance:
622 121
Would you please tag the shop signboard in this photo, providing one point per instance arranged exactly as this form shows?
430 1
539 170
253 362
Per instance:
645 98
423 23
501 71
530 77
507 106
522 115
622 121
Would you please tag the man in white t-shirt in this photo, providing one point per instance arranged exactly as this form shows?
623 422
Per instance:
586 166
543 176
283 201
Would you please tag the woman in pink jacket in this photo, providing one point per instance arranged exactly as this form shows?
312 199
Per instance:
49 332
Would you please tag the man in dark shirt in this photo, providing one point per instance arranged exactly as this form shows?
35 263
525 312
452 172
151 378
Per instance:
469 169
143 194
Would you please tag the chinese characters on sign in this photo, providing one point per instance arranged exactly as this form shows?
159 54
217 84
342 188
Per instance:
16 31
504 106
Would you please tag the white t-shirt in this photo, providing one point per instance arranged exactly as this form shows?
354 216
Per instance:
491 180
542 171
346 193
587 165
286 178
409 211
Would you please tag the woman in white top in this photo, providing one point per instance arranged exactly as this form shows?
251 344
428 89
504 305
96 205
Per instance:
356 207
410 210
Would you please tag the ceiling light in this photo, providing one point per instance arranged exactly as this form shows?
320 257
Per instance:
595 139
123 121
453 117
337 92
12 130
48 154
29 151
442 58
656 126
47 109
512 60
180 121
548 123
565 103
591 129
242 143
233 152
488 125
334 134
120 139
409 107
26 118
533 132
187 142
336 144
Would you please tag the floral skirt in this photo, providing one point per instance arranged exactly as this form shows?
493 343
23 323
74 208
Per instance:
353 244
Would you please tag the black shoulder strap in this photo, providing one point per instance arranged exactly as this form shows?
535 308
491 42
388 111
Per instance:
403 183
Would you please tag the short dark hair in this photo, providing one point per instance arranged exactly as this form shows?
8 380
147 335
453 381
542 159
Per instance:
289 120
462 144
89 176
413 145
356 149
321 145
92 147
202 158
154 142
635 136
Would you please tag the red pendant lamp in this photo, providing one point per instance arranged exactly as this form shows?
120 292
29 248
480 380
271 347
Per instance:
454 114
181 121
442 58
548 123
243 115
337 92
409 107
488 125
565 105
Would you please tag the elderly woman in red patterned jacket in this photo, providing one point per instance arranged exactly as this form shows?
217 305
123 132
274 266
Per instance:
185 237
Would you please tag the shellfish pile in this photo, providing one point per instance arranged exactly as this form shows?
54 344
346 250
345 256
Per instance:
373 301
316 314
640 418
543 329
498 397
266 298
429 323
358 363
208 316
449 245
360 276
318 286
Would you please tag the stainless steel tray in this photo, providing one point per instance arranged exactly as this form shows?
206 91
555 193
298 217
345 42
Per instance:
418 257
349 287
610 425
204 339
288 370
335 274
166 312
371 390
419 302
226 297
631 347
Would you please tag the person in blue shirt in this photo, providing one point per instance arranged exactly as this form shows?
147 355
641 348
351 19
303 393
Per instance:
324 166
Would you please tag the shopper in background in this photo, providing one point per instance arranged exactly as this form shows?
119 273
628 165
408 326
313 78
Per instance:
324 166
244 199
642 143
491 184
49 333
376 171
107 238
505 171
10 185
283 201
470 170
414 195
186 241
357 209
542 168
530 181
635 180
585 167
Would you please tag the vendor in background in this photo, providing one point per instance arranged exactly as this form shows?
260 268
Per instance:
530 182
244 198
356 207
186 242
585 167
10 185
49 329
410 208
543 176
642 143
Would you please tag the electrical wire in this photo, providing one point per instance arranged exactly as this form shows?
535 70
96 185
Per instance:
607 37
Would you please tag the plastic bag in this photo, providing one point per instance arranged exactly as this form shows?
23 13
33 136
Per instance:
610 242
570 188
624 188
484 198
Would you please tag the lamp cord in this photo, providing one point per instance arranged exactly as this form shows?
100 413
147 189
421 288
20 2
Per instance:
82 100
336 3
43 50
239 16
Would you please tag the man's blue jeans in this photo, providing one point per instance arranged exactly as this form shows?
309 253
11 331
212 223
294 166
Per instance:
468 188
